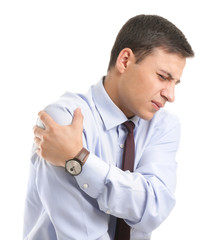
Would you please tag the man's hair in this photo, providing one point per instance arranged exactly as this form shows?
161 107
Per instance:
143 33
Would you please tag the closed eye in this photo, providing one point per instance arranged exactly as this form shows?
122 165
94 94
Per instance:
169 77
161 77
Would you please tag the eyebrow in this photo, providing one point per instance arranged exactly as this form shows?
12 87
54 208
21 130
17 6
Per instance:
170 76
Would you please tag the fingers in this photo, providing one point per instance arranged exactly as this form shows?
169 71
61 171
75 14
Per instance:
38 131
77 122
46 119
38 152
37 141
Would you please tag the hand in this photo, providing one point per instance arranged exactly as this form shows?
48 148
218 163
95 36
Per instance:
57 143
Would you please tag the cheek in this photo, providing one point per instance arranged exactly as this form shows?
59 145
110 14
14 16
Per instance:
145 84
144 92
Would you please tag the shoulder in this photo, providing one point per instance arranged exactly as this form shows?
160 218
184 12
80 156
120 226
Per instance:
163 127
162 120
165 119
62 110
166 126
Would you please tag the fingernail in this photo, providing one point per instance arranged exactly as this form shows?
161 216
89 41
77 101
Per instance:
77 110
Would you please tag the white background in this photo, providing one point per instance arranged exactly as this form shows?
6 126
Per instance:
49 47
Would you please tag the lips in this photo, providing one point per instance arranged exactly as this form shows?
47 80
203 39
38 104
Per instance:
157 105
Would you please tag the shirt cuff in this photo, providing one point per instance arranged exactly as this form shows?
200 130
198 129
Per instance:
92 178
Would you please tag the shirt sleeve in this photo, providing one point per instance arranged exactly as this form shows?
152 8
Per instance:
67 209
145 197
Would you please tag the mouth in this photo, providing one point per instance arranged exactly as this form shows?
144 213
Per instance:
157 105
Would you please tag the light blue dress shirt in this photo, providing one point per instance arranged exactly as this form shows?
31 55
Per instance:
62 207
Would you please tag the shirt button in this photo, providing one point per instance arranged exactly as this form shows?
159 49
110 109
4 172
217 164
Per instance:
85 186
121 145
108 211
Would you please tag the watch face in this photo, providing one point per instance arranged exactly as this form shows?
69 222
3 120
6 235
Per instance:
73 167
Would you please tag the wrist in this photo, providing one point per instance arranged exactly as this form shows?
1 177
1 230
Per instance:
70 154
74 166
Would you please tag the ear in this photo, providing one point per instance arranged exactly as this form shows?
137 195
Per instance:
126 56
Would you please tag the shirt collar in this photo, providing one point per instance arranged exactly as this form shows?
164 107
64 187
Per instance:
111 115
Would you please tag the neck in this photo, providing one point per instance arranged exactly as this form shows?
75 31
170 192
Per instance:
110 85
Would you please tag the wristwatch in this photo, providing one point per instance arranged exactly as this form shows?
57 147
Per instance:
74 166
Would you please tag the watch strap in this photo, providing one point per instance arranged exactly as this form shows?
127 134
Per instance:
82 155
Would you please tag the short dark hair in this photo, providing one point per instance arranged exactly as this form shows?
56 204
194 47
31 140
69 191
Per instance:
143 33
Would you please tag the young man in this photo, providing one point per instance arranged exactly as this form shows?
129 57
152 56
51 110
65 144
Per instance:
77 187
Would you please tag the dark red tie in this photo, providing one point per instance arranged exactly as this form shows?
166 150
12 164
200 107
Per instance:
122 228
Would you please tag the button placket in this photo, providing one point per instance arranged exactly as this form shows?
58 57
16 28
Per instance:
121 142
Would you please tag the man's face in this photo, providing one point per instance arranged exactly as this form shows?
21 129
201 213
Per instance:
145 87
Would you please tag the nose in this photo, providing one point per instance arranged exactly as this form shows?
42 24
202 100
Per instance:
169 93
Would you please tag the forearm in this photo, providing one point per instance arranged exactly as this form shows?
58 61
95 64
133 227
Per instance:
142 199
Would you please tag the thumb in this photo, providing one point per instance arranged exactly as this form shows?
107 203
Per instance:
78 119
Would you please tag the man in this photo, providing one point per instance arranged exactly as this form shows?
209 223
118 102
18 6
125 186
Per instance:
77 188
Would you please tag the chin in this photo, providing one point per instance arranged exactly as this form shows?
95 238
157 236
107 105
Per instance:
146 116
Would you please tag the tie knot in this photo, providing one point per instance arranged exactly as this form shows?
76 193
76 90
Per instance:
129 125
